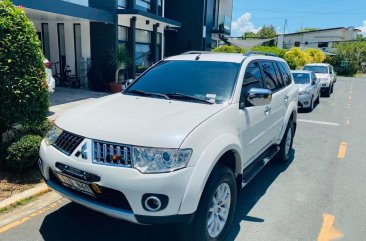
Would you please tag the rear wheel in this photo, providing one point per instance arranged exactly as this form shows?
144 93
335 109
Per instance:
216 209
283 155
328 92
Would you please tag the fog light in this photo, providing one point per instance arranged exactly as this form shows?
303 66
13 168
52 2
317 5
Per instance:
153 203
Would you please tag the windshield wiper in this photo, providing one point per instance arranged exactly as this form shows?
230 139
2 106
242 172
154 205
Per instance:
187 97
143 93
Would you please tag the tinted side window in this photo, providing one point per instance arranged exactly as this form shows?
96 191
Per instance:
314 76
252 74
252 79
285 72
330 70
270 78
279 75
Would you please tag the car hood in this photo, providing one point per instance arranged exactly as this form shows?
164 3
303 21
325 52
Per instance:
302 86
322 76
137 120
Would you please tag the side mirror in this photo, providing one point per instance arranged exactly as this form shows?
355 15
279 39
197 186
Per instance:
259 97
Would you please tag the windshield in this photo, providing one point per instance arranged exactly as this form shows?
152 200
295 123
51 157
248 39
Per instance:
301 78
202 80
317 69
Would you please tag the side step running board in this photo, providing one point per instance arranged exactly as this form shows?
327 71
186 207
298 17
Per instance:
258 164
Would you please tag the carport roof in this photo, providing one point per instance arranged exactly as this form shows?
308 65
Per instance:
68 9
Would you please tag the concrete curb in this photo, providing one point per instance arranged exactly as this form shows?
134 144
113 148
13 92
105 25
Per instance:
38 189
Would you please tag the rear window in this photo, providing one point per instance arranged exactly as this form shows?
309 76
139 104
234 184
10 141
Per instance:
317 69
301 78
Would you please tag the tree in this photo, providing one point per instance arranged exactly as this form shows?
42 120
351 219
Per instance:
279 52
352 55
360 37
317 56
23 88
121 58
306 30
296 58
249 35
228 49
267 32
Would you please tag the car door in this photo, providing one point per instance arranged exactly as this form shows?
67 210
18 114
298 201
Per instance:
253 119
277 111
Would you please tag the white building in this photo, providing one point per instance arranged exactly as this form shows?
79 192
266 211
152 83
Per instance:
323 39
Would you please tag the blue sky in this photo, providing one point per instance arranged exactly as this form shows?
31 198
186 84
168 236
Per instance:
250 15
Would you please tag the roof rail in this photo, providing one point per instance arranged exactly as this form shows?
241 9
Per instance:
260 53
198 52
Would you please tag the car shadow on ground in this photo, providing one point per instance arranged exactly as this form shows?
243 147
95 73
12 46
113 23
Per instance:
74 222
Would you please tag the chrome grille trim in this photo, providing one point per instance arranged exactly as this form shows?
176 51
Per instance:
67 142
103 152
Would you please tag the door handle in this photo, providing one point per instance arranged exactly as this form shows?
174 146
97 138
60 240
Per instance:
286 98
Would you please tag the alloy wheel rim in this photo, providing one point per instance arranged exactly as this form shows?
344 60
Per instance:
288 141
219 210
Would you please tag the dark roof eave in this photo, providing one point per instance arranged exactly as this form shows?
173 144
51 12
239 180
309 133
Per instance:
149 15
68 9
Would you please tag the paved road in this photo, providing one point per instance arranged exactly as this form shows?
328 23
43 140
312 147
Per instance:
324 186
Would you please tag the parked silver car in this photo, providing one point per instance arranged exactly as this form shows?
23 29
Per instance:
309 88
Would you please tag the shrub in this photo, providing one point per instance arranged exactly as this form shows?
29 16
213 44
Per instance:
229 49
39 129
317 56
23 89
296 58
279 52
23 153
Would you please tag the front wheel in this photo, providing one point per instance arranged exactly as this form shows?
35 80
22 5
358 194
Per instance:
216 209
283 155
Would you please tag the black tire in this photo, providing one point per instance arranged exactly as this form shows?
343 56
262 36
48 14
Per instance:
197 230
328 92
332 91
283 156
318 99
311 108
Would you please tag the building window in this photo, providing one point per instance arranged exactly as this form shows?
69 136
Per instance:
122 35
306 42
46 41
143 50
122 3
297 44
144 5
323 45
160 8
159 40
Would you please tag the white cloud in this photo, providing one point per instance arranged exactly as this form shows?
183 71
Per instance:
243 25
363 28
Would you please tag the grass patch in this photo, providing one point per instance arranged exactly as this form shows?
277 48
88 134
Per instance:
21 203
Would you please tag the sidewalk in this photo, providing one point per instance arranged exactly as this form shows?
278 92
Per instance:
66 98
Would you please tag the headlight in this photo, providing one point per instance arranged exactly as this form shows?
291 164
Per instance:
305 92
154 160
52 135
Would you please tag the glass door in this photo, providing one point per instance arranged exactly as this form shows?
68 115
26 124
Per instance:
77 44
61 49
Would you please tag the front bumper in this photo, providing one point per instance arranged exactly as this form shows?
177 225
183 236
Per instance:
304 101
324 84
128 181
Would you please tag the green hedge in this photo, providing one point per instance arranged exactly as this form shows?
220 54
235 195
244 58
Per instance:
23 89
23 153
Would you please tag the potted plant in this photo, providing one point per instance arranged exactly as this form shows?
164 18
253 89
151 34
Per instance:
121 59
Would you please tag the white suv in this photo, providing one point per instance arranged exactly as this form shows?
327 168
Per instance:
325 74
179 143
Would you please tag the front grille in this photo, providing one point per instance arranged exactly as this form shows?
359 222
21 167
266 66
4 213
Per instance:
67 142
111 154
108 196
